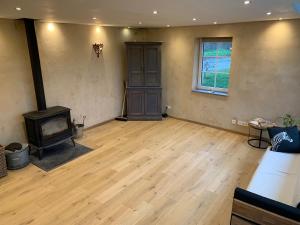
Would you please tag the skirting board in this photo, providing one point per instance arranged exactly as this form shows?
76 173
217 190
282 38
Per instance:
208 125
99 124
191 121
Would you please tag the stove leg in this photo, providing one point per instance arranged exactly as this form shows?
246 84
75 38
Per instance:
73 141
29 149
40 152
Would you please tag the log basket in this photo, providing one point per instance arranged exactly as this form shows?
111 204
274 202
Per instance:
3 168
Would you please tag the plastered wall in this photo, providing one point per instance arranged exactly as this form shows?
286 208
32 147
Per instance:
265 73
16 85
73 76
264 82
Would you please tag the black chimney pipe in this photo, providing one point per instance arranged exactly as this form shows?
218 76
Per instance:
35 64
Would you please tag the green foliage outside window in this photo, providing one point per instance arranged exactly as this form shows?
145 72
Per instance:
216 63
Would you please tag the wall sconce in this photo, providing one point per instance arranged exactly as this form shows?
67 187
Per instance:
98 48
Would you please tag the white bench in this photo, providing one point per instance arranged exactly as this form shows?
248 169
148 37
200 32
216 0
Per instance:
272 194
278 177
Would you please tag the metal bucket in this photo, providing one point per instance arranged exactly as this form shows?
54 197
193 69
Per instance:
79 131
18 159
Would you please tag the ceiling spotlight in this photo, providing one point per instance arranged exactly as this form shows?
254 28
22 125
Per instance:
215 22
155 12
247 2
18 8
140 23
269 13
168 25
280 18
194 19
94 18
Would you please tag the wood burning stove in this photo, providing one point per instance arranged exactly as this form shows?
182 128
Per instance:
47 126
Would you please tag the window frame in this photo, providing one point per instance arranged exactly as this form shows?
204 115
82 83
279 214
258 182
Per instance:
199 85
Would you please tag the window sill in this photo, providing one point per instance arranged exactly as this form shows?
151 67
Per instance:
219 93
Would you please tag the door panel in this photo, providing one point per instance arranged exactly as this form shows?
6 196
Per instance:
153 102
152 65
135 102
135 65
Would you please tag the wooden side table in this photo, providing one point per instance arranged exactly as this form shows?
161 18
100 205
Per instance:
258 142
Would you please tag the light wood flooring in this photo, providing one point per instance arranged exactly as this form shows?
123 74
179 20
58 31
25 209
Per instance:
168 173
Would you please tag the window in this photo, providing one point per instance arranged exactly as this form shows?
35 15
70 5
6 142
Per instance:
214 64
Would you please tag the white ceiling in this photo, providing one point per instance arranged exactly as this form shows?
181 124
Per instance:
130 12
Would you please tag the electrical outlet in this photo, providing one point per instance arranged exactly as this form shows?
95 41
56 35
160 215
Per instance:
233 121
242 123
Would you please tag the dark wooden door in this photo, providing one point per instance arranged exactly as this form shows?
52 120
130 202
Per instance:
135 65
135 102
153 102
152 65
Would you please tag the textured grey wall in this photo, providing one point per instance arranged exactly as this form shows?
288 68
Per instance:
73 75
16 84
265 75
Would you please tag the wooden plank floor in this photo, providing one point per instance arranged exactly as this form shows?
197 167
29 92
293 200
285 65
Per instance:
168 173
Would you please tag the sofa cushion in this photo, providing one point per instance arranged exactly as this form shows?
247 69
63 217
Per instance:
297 194
285 139
277 177
274 185
280 162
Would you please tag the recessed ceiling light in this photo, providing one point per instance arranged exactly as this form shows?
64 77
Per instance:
247 2
168 25
269 13
194 19
18 8
280 18
94 18
155 12
140 22
215 22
